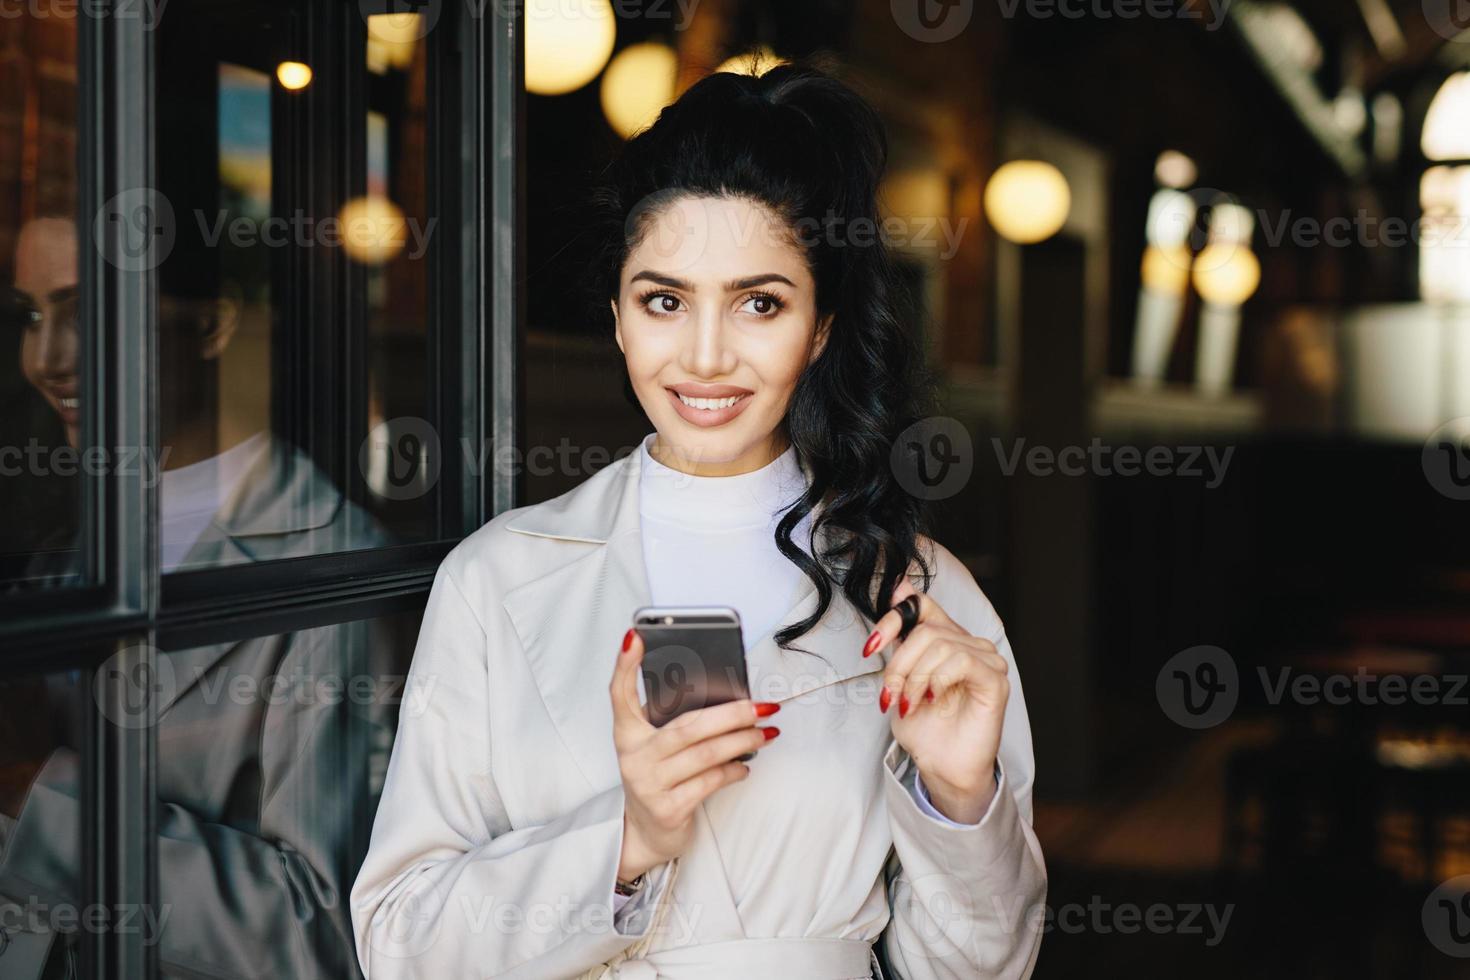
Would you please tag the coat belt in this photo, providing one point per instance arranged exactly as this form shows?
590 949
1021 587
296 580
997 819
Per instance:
741 959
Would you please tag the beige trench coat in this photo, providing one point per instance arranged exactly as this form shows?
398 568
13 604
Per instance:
497 839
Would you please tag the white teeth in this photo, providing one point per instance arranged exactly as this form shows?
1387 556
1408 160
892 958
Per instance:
70 402
709 403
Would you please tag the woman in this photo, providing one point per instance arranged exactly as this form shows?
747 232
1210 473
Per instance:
533 823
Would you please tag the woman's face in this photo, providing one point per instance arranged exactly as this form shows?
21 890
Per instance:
46 279
716 316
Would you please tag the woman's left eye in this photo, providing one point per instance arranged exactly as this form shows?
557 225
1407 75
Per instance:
763 304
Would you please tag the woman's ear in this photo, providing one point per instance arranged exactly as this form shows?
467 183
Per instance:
617 324
819 341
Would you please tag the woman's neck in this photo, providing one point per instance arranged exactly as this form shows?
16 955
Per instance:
753 459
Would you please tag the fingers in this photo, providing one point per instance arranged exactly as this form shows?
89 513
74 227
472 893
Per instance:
939 668
714 752
705 723
885 630
934 660
629 716
693 791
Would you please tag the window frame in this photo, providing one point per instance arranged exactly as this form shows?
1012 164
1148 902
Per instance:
126 608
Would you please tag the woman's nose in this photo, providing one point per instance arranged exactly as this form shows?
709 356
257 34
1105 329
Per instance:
56 345
708 353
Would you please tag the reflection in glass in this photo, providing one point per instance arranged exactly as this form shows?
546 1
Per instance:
40 824
40 395
293 300
271 752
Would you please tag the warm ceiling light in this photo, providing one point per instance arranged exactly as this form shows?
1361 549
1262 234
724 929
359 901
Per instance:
1174 169
1027 201
567 44
1447 123
392 40
373 229
1226 274
293 75
1166 268
638 83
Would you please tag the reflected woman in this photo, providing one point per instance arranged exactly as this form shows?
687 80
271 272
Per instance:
261 777
534 823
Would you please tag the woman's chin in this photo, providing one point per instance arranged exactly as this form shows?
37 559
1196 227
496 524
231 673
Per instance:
693 446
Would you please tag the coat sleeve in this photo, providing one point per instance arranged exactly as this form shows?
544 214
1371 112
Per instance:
449 888
967 900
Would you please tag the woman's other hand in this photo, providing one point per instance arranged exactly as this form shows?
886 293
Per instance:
950 689
667 772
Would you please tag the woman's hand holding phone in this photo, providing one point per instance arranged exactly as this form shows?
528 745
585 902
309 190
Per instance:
667 772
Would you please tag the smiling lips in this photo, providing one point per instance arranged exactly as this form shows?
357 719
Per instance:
708 405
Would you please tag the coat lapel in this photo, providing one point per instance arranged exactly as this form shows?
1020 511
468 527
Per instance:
571 620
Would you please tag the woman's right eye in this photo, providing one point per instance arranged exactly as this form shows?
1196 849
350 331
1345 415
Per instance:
661 304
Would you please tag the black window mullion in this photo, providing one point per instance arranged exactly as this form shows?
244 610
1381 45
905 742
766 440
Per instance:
119 300
502 144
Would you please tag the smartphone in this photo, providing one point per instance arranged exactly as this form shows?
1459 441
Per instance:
693 657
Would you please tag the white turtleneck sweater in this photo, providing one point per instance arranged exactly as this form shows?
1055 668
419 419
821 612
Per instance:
710 541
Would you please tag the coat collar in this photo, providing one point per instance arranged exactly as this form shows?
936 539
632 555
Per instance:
570 621
283 506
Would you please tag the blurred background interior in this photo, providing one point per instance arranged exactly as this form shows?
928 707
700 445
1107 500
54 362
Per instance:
1240 226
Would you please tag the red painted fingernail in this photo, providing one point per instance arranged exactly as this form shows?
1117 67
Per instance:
883 700
871 645
928 694
903 705
627 640
770 732
764 709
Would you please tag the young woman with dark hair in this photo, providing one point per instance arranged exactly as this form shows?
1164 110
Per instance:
534 823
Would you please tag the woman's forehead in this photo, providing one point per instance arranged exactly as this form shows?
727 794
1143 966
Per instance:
710 241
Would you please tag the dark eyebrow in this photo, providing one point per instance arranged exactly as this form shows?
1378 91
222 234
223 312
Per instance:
62 294
673 282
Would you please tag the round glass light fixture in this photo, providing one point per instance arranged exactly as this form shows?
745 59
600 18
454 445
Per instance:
373 229
637 85
567 44
1174 169
1226 274
1166 268
1446 133
1027 201
293 75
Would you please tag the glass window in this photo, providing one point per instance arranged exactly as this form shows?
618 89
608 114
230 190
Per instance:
271 758
42 460
294 327
41 883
